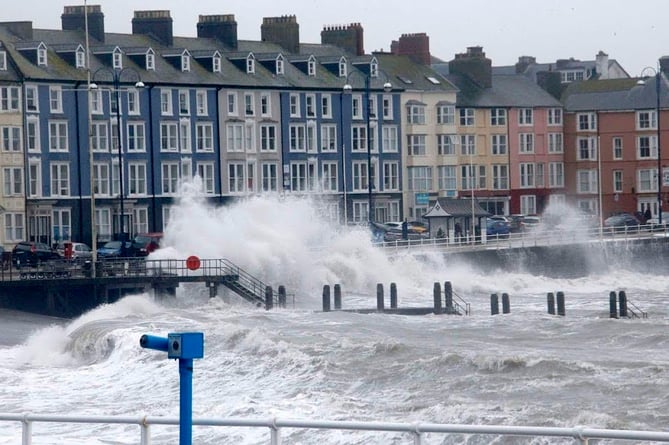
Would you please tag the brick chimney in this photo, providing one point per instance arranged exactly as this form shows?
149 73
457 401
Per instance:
220 27
524 62
284 31
664 65
415 46
74 19
157 24
602 65
348 37
474 65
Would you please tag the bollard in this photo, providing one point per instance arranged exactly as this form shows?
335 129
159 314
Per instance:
393 295
560 303
282 296
550 299
613 306
337 297
326 298
436 293
494 304
448 297
379 297
622 302
269 298
506 305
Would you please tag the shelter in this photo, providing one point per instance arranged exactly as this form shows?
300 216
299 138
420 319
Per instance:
452 218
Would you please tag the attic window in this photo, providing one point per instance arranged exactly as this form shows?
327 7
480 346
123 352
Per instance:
343 72
216 64
117 59
250 64
3 60
374 68
80 58
150 61
311 67
405 80
41 55
280 68
433 80
185 63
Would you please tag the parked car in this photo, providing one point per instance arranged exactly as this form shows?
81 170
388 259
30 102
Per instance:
516 223
145 243
623 222
32 254
530 222
80 251
112 249
655 221
497 229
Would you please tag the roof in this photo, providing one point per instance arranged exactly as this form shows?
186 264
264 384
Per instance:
615 94
450 207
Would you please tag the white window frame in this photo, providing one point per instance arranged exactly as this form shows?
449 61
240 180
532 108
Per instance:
136 137
137 185
55 99
201 105
58 136
268 137
169 137
59 179
170 177
206 172
166 108
204 134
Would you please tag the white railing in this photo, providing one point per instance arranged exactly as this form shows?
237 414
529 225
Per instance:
415 431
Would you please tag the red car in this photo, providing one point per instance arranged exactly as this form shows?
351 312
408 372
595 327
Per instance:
145 243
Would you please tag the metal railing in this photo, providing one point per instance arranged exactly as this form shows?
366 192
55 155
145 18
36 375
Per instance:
416 432
636 310
461 305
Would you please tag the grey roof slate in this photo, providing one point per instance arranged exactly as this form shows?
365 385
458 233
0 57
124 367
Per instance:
615 95
506 91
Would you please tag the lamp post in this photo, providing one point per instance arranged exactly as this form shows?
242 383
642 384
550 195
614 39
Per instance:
116 84
348 88
94 233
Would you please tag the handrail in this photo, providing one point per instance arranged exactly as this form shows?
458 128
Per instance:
643 313
274 424
465 303
249 282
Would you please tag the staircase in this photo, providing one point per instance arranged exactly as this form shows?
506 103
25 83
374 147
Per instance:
245 285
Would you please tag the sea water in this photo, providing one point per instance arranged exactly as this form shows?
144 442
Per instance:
523 368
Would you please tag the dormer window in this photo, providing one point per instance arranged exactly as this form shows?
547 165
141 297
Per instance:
117 59
311 66
279 65
250 64
80 58
150 60
343 71
374 68
216 63
3 60
185 62
41 55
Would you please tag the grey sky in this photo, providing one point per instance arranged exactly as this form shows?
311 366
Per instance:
632 33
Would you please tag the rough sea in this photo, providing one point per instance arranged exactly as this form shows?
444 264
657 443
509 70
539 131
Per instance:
524 368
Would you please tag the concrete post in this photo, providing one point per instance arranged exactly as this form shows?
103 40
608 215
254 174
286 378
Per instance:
326 298
448 297
622 303
337 297
560 303
550 300
613 305
393 295
506 304
494 304
436 294
379 297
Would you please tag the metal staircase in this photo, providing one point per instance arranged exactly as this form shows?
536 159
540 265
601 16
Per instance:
246 285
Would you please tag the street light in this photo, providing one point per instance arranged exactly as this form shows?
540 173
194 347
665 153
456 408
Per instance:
348 88
116 82
658 75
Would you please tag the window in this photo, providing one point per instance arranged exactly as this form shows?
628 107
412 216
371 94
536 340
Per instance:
55 100
101 179
96 101
498 117
232 104
99 136
201 102
170 179
133 102
12 181
311 67
60 179
555 174
205 170
204 136
617 143
587 181
250 64
555 143
525 116
236 177
235 137
555 116
372 107
389 135
447 177
117 59
42 55
136 137
420 178
32 99
446 144
646 147
528 204
467 144
267 137
137 178
140 220
249 105
184 102
360 176
103 223
279 66
387 107
168 136
647 180
32 134
358 138
184 136
416 145
498 144
330 178
35 178
298 176
526 142
150 61
391 176
360 211
466 117
570 76
326 106
416 114
482 177
587 150
646 120
310 105
14 227
9 98
294 105
586 121
356 106
3 60
617 181
185 63
297 137
343 71
269 176
265 105
467 177
500 177
328 138
11 138
58 136
526 175
166 102
446 114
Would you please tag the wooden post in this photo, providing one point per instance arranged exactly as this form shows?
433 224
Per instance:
379 297
550 300
269 298
213 289
326 298
622 302
436 294
560 303
337 297
448 297
393 295
282 296
494 304
613 306
506 304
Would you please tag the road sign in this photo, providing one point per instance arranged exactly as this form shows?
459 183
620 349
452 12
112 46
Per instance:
422 199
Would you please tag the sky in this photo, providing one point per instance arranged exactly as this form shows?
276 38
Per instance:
631 33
